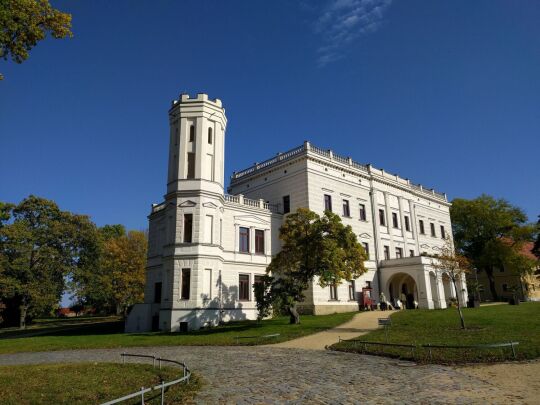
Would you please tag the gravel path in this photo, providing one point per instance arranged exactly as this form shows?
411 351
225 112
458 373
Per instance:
270 375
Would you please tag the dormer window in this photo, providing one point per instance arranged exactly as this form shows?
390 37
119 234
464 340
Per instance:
192 133
210 136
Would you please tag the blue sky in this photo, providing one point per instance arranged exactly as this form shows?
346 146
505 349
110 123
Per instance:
446 93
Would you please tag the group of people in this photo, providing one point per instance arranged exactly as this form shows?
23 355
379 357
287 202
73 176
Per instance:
398 303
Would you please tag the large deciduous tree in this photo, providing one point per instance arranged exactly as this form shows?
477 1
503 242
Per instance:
40 246
23 23
313 247
490 233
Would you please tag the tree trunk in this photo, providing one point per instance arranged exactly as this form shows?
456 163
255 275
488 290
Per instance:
22 320
118 310
459 304
293 314
489 273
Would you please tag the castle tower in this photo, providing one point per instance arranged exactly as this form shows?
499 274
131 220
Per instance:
191 260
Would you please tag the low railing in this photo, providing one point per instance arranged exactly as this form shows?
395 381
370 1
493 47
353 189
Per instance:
161 387
429 347
240 199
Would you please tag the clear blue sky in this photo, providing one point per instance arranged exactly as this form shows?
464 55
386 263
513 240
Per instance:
446 93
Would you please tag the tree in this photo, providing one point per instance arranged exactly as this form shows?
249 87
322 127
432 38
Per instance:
124 263
536 247
455 266
23 23
489 233
313 247
39 247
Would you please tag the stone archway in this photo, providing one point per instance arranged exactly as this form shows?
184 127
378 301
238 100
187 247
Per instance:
403 287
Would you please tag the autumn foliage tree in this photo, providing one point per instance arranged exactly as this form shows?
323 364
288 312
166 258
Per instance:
314 247
23 23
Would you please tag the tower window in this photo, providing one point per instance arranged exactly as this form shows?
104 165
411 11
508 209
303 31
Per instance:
366 248
192 133
432 226
188 228
191 165
422 229
407 224
210 136
186 281
386 252
259 241
443 232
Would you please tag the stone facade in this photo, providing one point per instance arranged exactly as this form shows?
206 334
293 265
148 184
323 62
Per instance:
205 245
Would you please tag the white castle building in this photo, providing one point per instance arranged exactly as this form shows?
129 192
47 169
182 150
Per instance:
207 248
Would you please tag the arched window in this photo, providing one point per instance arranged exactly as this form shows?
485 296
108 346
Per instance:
210 136
192 133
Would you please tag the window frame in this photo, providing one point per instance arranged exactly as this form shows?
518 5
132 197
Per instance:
399 253
184 285
247 236
192 133
240 288
407 223
333 292
210 135
432 229
187 237
346 208
158 297
386 250
362 210
258 249
352 290
286 203
443 232
191 158
395 222
382 217
366 248
422 227
328 202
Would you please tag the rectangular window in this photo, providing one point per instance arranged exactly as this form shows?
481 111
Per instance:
157 293
192 133
188 228
411 253
207 284
256 280
362 212
186 281
395 222
243 287
407 224
244 240
443 232
327 202
432 226
333 292
209 229
210 136
286 204
191 165
399 253
366 248
346 209
422 229
352 291
386 252
382 218
259 241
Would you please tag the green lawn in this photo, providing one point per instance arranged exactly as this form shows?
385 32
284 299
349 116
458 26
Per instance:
489 324
89 383
109 334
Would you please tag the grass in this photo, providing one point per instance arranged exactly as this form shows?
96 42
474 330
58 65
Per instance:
489 324
109 334
87 383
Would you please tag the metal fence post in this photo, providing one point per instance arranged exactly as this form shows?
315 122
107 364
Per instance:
513 349
142 395
162 392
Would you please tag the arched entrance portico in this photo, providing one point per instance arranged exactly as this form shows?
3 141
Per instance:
403 287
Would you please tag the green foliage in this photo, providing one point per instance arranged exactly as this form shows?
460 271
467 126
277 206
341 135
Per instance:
312 247
39 247
26 22
490 233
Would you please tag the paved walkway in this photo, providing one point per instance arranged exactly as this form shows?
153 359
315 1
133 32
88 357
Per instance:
362 323
271 375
